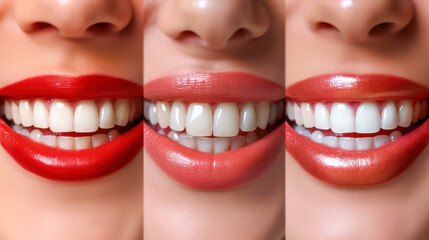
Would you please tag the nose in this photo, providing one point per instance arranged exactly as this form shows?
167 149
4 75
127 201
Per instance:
360 20
217 23
73 18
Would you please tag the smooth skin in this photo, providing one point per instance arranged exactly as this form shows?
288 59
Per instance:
32 207
398 209
255 210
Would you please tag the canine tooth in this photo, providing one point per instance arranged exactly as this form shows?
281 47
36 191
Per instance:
178 116
199 120
251 137
301 130
368 118
25 113
99 139
36 135
153 119
273 114
113 134
389 116
238 142
163 113
423 108
187 141
380 140
226 120
86 117
8 110
66 143
317 136
248 119
15 114
297 113
307 115
205 144
331 141
60 117
122 110
107 115
146 105
342 118
221 145
173 135
395 135
347 143
405 113
263 113
364 143
416 112
82 143
289 111
321 117
280 109
40 115
50 140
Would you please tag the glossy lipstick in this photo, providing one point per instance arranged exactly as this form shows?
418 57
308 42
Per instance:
213 170
356 168
63 165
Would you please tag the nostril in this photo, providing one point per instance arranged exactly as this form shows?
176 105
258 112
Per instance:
240 34
184 35
39 26
382 29
101 28
326 27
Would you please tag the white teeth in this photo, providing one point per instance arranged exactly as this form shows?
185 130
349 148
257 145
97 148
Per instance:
226 122
273 114
307 115
221 145
331 141
297 113
238 142
405 113
66 143
263 114
26 113
381 140
423 108
8 110
199 120
368 118
289 111
301 130
60 117
152 114
416 112
317 136
205 145
178 116
113 134
107 115
395 135
321 117
347 143
163 113
146 105
173 135
248 119
99 139
342 118
86 117
122 109
82 143
133 111
389 116
15 114
50 140
40 115
187 141
36 135
364 143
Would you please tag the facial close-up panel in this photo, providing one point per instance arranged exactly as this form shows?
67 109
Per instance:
356 119
71 130
214 119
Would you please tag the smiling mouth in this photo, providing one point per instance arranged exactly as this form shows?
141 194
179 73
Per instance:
356 125
72 125
214 128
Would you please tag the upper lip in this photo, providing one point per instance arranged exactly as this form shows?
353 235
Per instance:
361 168
208 170
61 164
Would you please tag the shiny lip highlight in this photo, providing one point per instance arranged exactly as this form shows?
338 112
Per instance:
64 165
356 168
209 170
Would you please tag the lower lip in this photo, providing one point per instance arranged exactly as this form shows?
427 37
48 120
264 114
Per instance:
213 171
357 168
65 165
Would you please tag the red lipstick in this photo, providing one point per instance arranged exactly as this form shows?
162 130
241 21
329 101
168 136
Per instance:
356 168
63 165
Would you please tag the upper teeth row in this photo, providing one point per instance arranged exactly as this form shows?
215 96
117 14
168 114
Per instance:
343 118
227 120
61 117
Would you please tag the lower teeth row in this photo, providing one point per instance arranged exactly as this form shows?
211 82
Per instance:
210 144
349 143
67 142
